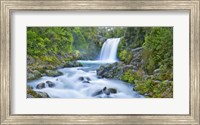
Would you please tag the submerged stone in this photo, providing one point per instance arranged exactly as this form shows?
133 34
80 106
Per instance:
50 84
40 86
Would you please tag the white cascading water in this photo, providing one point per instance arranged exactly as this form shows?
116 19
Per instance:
109 50
69 84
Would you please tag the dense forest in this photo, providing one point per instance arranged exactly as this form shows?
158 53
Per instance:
145 54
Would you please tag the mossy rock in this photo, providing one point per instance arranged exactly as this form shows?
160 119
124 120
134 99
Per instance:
33 75
36 94
72 64
53 73
29 87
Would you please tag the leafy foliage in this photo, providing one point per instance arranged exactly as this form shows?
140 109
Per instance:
128 76
54 45
125 56
79 40
158 49
133 37
157 55
47 44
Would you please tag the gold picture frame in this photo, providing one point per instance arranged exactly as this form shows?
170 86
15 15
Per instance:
8 6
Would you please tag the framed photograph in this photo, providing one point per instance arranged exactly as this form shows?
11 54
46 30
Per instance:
99 62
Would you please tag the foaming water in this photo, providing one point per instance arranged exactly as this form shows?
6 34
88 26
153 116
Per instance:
73 85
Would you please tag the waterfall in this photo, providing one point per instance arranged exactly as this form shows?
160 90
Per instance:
109 50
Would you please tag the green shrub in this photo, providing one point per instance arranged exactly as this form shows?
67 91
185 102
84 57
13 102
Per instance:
128 76
151 88
158 49
125 56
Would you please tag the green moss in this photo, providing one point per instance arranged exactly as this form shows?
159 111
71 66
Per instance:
125 56
53 73
33 93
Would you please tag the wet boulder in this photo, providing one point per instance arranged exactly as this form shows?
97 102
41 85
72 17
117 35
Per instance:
53 73
108 91
84 79
105 91
50 84
114 70
40 86
42 94
81 78
112 90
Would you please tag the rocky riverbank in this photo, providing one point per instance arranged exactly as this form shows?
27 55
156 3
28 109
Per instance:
35 94
35 71
157 84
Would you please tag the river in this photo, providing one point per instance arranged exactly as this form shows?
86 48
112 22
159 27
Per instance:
83 82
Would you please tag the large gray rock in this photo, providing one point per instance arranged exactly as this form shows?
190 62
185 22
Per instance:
114 70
